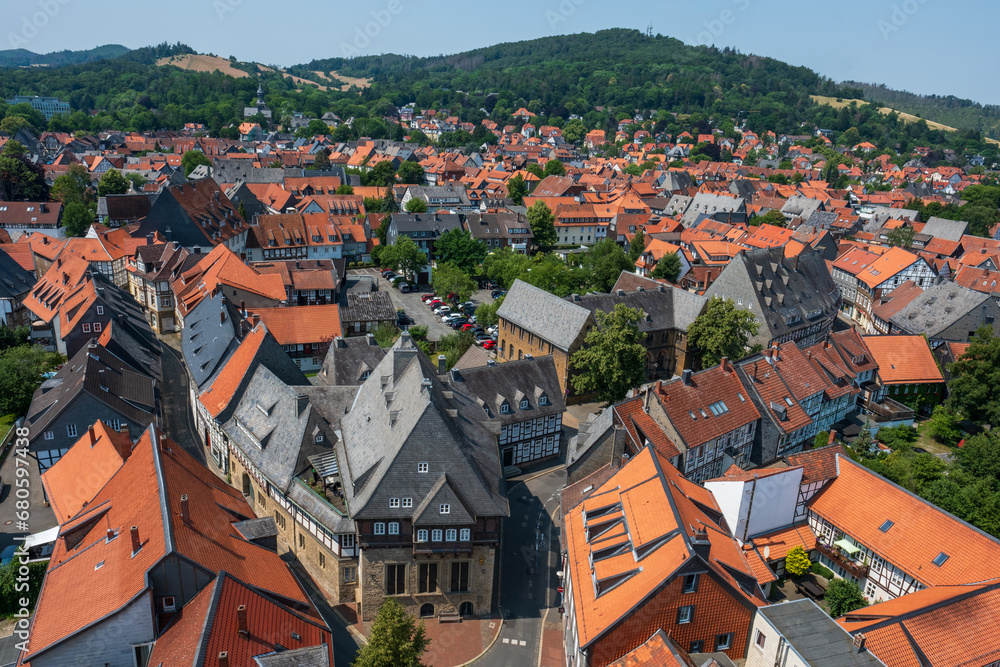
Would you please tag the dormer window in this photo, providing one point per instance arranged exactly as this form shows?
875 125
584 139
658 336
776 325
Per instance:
543 400
505 408
524 404
422 467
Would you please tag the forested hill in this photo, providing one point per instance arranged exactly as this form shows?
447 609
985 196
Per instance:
25 58
947 109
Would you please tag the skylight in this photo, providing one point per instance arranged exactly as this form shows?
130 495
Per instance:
718 408
940 559
886 526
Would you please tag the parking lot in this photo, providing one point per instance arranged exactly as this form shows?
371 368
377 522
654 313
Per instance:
416 309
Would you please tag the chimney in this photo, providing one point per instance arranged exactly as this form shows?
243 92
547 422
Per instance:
686 377
700 542
301 401
859 641
93 436
243 307
185 510
222 316
659 387
136 545
223 659
442 364
724 363
111 534
241 620
150 238
833 437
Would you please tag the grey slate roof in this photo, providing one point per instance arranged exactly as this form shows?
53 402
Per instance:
709 204
511 382
366 307
255 529
667 307
820 640
547 316
404 415
801 207
310 656
207 340
589 433
15 282
939 307
950 230
348 359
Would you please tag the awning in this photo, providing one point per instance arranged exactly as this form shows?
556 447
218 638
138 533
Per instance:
44 537
325 464
847 546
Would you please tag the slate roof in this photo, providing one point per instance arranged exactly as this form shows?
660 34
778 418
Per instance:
212 332
512 382
366 307
552 319
136 346
14 280
589 433
350 358
939 307
815 636
666 307
400 418
951 230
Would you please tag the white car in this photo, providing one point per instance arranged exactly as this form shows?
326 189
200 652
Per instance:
442 310
450 316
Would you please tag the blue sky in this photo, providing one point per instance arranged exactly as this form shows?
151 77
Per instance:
924 46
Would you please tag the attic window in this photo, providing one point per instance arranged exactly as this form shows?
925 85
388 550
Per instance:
524 404
886 526
445 508
543 400
505 408
99 565
718 408
788 401
940 559
422 467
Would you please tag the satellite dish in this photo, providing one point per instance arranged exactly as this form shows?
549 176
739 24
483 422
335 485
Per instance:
767 552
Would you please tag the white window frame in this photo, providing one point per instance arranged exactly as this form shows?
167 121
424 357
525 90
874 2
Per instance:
437 535
685 614
394 503
380 528
50 435
100 310
71 431
423 467
422 535
407 503
465 535
451 535
168 606
444 508
505 408
760 640
394 528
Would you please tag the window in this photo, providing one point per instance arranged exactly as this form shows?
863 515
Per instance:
760 640
465 535
350 575
86 328
97 327
886 526
685 614
50 435
723 642
379 528
940 559
459 577
319 437
168 603
696 646
395 579
543 400
71 430
322 560
347 541
393 503
505 406
422 467
451 535
394 528
691 583
407 502
302 541
279 520
427 576
436 535
100 310
524 404
422 535
445 508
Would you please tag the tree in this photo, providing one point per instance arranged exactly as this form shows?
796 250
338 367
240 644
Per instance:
980 455
344 189
605 263
416 205
517 189
77 218
322 161
668 268
411 173
72 186
505 266
613 358
902 236
13 124
21 371
486 313
396 639
542 223
637 245
314 128
722 331
405 255
385 335
382 175
193 159
20 179
797 562
943 426
112 183
772 217
843 596
450 278
13 337
822 439
554 168
459 248
974 390
536 169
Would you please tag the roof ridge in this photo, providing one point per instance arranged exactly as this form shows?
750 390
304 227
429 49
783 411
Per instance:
201 654
168 536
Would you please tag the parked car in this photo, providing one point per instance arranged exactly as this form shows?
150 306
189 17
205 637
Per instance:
402 319
492 330
427 298
385 272
405 288
7 555
489 344
467 304
447 317
468 326
497 293
442 310
457 323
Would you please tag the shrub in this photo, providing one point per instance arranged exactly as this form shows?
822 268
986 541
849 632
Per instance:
844 596
797 562
817 568
9 595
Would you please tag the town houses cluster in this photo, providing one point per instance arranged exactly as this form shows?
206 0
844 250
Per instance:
380 471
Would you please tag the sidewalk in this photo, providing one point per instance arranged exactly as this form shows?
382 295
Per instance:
553 653
451 644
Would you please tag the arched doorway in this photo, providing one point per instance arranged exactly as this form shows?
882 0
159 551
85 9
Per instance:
466 609
426 610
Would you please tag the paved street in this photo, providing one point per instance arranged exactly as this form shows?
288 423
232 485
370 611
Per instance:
416 308
528 568
41 517
175 400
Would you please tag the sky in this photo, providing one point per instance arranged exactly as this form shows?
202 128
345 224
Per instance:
923 46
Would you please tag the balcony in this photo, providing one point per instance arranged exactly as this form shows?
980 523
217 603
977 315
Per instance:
887 410
855 568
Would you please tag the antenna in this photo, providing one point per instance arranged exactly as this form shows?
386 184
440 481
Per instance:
649 30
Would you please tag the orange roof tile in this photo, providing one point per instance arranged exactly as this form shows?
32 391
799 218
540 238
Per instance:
641 426
775 545
302 324
688 405
903 359
859 501
217 397
885 267
657 651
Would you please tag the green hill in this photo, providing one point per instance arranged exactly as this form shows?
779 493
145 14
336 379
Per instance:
25 58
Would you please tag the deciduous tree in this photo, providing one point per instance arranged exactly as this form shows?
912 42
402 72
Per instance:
77 218
843 596
193 159
112 183
448 278
605 263
722 331
974 390
405 255
21 371
416 205
517 189
613 358
486 313
542 223
20 179
459 248
668 268
797 562
396 639
411 173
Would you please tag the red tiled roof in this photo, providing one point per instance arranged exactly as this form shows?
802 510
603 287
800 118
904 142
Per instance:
658 651
641 426
817 464
858 502
688 405
904 359
217 397
778 543
885 267
302 324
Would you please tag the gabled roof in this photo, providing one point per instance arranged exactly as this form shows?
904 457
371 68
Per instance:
657 651
919 629
939 307
512 382
885 267
555 320
631 535
903 359
858 502
302 324
818 465
689 405
809 631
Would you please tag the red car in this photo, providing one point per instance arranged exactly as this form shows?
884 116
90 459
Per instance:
427 297
468 325
489 345
435 303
